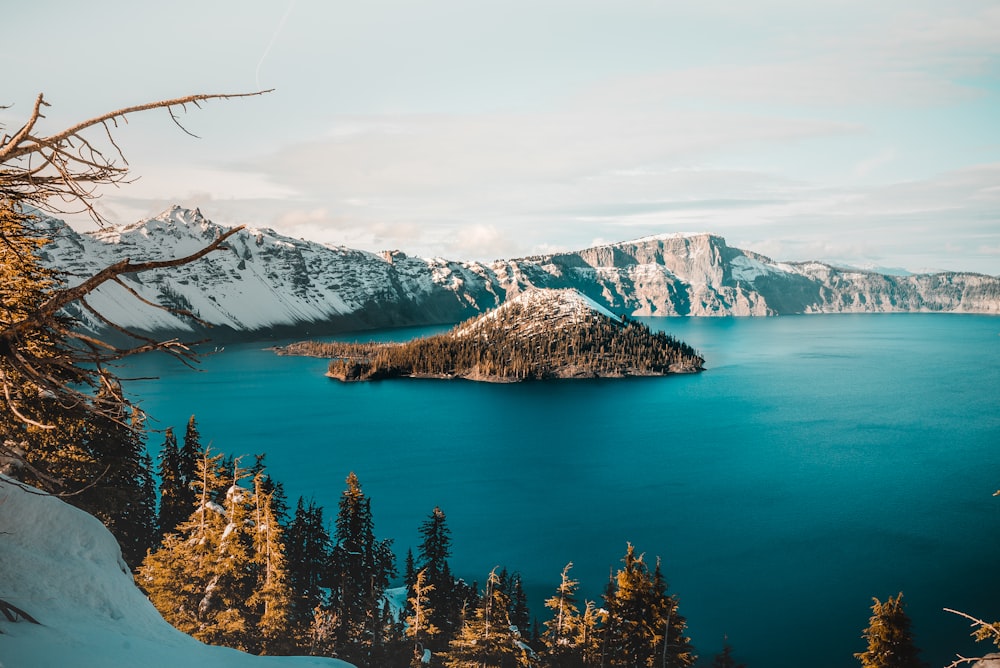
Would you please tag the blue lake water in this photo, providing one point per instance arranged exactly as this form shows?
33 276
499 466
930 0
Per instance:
818 462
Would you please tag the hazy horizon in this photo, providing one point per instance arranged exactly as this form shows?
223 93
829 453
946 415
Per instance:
848 132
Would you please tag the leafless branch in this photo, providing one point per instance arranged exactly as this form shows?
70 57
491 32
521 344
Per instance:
982 631
65 166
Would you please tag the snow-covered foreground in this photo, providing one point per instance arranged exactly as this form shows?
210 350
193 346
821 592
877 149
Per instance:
62 567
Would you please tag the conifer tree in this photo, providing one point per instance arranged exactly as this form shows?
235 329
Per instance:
644 627
178 577
360 570
176 496
271 600
562 635
520 616
227 620
449 597
124 497
308 550
110 453
487 637
409 571
418 623
273 487
890 642
187 455
724 659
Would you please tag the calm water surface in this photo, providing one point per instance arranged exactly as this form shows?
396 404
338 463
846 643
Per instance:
819 461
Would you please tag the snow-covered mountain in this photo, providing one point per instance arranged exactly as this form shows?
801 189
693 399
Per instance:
550 309
62 567
266 281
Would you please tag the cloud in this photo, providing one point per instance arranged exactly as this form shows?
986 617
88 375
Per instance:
868 165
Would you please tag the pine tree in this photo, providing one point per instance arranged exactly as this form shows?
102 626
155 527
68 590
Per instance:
520 616
275 488
308 549
418 624
178 577
724 659
409 571
187 455
124 498
562 636
360 570
449 597
271 600
676 646
644 627
176 495
890 642
487 637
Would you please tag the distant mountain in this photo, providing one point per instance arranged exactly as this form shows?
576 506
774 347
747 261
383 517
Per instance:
538 334
268 284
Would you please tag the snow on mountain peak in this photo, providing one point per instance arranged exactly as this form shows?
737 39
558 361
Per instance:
541 306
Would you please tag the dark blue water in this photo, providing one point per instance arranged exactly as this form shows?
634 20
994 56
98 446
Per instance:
819 461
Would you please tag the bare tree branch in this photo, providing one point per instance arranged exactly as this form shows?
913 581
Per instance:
48 366
983 630
66 166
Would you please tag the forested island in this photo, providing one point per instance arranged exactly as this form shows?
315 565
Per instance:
540 334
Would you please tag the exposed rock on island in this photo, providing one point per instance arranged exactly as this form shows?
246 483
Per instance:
540 334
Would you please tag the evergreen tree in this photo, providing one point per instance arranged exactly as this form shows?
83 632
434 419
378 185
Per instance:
227 619
176 495
644 627
124 498
487 637
409 571
187 455
50 433
275 488
563 633
520 616
890 642
111 452
308 550
435 548
724 659
178 577
449 596
418 624
360 570
271 600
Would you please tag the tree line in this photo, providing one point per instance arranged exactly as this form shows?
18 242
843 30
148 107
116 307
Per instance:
514 343
236 567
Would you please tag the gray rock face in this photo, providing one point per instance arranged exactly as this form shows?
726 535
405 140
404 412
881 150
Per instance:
266 280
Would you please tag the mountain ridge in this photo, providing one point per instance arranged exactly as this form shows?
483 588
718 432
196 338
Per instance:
267 283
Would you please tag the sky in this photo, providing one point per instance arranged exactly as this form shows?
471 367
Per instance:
862 133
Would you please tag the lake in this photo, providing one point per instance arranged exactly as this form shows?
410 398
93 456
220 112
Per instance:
818 461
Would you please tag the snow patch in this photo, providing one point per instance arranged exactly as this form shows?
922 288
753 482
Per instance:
64 568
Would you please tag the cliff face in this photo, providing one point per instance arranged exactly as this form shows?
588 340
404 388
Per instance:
658 276
267 281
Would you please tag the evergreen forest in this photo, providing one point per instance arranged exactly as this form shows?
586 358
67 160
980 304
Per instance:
514 343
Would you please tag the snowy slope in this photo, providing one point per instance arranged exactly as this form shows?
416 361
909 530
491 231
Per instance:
549 309
266 280
62 567
262 280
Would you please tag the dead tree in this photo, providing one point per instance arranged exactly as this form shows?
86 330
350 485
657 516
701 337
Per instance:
43 356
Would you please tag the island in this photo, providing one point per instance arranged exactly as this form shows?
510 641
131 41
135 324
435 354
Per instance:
539 334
